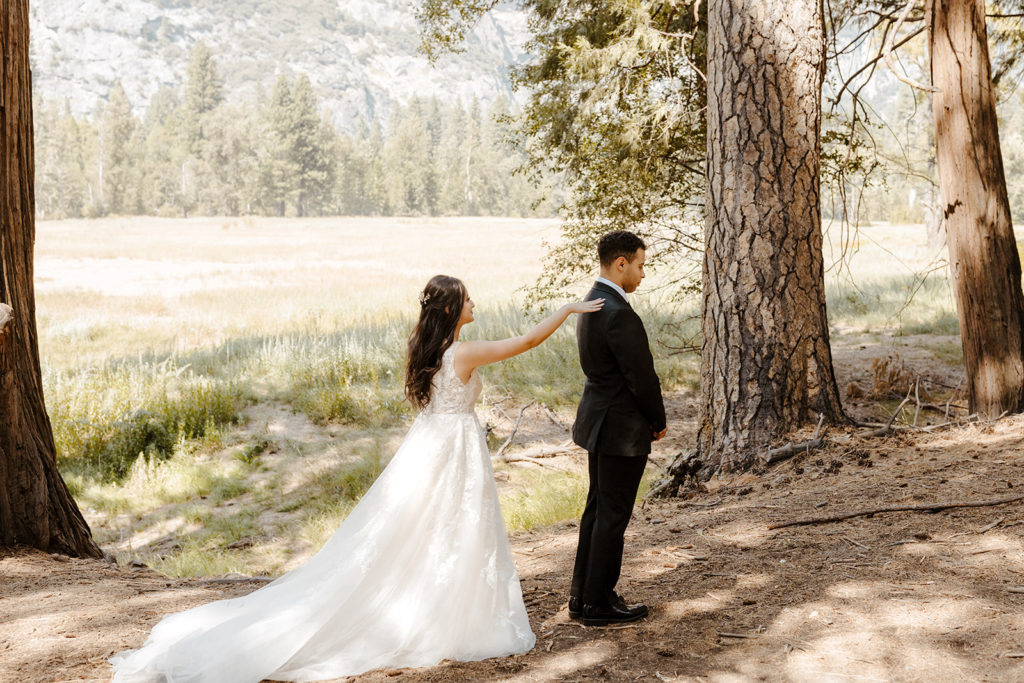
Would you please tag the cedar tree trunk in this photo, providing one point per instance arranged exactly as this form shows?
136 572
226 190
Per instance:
36 508
983 256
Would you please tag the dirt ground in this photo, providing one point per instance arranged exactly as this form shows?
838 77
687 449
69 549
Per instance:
901 596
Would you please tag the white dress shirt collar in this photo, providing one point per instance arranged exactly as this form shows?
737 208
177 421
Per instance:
613 286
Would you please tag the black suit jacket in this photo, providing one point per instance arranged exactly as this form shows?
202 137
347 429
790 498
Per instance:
621 407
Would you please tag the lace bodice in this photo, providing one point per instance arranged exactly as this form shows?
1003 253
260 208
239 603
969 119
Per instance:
449 395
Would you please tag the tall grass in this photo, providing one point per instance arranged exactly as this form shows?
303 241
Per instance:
106 418
544 498
906 304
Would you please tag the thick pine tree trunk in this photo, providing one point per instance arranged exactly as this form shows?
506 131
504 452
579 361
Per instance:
982 251
766 363
35 506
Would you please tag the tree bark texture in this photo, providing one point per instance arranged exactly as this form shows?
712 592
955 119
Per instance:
765 358
983 256
36 508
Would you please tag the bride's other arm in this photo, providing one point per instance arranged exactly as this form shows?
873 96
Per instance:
472 354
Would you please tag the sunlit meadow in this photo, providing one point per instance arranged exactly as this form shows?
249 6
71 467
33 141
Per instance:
223 390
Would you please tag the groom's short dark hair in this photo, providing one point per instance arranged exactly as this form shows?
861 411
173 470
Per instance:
612 245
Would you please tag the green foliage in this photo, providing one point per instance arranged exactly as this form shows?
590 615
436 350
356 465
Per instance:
546 499
117 130
616 107
204 89
251 453
103 420
907 304
195 153
63 186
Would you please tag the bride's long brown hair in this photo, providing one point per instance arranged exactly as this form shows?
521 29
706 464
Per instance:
440 309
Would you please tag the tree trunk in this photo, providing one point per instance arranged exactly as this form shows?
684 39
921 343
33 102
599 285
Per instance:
983 255
35 506
766 362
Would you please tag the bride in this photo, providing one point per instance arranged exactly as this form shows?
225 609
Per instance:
420 571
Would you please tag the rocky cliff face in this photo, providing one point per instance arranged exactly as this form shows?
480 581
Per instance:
361 55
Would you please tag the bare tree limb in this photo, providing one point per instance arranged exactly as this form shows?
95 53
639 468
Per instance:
535 461
888 425
890 51
515 428
544 452
553 418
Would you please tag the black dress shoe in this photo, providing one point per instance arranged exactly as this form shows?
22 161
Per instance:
575 608
616 613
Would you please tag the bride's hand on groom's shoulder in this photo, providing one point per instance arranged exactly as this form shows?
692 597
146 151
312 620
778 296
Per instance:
590 306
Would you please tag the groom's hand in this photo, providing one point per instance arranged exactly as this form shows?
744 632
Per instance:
658 436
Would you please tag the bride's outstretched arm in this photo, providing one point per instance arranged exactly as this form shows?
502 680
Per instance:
472 354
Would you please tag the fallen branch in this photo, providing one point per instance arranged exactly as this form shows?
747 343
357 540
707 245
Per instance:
243 579
791 449
535 461
501 411
545 452
887 427
551 416
926 507
971 419
702 505
993 525
925 405
515 428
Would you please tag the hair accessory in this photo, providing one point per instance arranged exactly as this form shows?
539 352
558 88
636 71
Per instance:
424 299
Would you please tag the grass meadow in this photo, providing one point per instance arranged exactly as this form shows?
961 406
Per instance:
223 390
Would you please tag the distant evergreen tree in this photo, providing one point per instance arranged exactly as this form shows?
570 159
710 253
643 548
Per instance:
230 160
163 173
409 181
277 170
117 129
278 155
204 92
312 150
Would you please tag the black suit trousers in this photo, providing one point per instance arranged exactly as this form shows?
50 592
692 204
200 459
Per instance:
614 481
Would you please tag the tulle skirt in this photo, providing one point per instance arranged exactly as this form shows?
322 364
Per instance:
420 571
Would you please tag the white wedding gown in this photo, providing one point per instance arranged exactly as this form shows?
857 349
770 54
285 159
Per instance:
421 570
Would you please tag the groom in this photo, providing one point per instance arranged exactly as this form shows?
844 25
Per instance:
620 414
